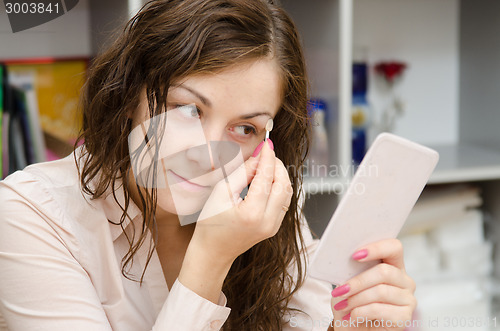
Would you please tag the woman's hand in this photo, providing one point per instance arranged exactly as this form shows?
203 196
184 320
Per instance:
380 298
230 233
218 240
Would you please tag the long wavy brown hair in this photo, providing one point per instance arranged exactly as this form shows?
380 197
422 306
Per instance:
171 39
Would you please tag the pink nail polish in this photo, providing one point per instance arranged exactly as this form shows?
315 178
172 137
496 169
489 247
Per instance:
257 149
270 143
361 254
341 305
341 290
346 317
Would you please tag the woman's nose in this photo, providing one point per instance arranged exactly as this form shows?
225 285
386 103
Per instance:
208 152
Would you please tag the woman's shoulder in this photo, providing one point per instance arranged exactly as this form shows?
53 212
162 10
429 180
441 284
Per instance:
47 185
49 195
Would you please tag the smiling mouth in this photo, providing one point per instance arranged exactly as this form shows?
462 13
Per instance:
184 183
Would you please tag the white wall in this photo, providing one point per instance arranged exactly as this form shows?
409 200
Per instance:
65 36
318 26
424 34
480 73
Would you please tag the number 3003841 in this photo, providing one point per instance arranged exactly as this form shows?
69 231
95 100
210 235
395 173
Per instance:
31 8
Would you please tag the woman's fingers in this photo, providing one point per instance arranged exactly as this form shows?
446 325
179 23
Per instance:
267 200
241 177
280 196
260 188
381 293
379 316
382 273
226 192
389 251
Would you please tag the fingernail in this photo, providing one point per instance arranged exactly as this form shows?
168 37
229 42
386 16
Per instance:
270 143
257 149
341 290
346 317
361 254
341 305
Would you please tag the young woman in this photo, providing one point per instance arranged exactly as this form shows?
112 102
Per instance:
94 241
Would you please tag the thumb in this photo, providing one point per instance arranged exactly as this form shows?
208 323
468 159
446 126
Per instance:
226 192
242 176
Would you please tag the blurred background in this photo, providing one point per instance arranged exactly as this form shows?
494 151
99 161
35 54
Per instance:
427 70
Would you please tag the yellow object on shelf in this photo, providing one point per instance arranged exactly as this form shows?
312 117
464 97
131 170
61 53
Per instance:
58 85
358 116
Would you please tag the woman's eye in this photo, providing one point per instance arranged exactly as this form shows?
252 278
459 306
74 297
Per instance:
188 111
245 130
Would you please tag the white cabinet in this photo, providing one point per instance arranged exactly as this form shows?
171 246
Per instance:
451 86
452 94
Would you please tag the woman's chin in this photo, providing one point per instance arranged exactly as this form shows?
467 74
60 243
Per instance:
181 206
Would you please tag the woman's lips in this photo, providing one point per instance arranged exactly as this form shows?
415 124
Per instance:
184 183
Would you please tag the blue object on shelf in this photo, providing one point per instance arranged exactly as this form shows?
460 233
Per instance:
317 105
359 79
360 110
358 144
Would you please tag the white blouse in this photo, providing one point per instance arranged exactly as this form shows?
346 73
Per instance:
60 265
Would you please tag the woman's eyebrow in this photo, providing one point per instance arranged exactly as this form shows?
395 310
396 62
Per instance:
203 99
207 103
251 115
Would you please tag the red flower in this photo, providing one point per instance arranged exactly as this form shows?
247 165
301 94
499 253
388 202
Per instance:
390 70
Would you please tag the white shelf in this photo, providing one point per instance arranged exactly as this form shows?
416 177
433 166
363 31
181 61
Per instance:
465 162
457 163
458 41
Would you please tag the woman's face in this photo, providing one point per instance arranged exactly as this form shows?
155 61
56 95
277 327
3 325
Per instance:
211 120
